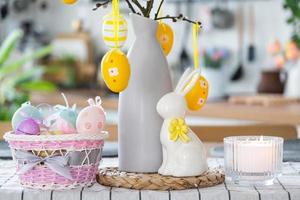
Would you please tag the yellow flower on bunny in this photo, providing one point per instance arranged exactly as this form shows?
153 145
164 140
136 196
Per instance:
179 130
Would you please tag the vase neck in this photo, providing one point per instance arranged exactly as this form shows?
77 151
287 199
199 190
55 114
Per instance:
143 26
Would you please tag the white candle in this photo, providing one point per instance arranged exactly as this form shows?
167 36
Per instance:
252 157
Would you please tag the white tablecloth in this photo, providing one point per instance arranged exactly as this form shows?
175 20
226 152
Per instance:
287 187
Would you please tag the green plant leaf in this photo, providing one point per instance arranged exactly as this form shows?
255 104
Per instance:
4 113
22 97
9 45
11 82
38 85
15 65
31 74
52 69
294 7
290 20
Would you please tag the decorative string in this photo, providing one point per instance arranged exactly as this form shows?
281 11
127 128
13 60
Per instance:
196 56
160 14
116 18
195 36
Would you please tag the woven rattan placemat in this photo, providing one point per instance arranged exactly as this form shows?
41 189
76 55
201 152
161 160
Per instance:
114 178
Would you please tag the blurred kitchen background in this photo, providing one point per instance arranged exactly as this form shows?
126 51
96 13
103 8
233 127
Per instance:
231 25
245 49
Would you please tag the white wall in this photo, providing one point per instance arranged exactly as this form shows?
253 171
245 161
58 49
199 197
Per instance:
269 23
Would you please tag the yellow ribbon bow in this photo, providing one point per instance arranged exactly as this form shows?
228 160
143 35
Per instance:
179 129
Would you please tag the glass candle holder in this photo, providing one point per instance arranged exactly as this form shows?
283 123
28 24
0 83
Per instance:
253 160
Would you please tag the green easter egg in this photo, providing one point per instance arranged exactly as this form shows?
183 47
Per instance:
24 112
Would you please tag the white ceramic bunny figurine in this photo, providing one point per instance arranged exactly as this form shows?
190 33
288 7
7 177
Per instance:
183 152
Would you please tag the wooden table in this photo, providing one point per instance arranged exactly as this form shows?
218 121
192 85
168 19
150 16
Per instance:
280 114
286 187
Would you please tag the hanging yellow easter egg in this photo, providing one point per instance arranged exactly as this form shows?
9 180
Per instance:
108 31
197 97
165 36
115 70
69 1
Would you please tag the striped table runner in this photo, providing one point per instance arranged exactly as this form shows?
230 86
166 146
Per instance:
287 187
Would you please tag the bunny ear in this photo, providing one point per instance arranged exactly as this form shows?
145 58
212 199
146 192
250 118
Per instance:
91 102
182 79
98 100
95 102
188 83
191 84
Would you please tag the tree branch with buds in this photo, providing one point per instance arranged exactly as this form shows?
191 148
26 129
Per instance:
146 11
105 4
102 4
130 6
179 17
149 7
139 6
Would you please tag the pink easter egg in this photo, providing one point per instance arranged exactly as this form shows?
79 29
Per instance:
91 120
65 127
61 126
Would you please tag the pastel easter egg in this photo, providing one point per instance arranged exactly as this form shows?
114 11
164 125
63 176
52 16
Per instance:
115 70
196 98
69 115
91 120
112 39
63 122
165 37
63 127
28 127
45 110
24 112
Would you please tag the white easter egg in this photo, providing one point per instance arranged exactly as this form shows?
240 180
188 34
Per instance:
91 120
108 33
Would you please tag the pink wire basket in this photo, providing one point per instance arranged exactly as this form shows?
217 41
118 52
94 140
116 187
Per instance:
56 161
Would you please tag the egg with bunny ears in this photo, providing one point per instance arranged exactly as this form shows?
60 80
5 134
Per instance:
92 118
26 111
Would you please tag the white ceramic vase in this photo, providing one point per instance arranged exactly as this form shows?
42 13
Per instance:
292 88
139 123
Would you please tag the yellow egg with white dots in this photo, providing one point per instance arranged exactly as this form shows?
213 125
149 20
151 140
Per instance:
69 1
165 36
196 98
115 70
112 39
